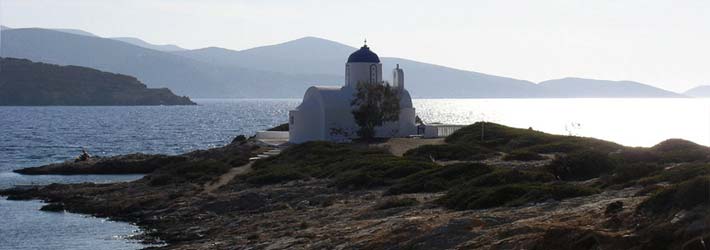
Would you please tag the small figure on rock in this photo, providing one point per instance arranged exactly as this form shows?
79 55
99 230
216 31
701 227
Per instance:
85 156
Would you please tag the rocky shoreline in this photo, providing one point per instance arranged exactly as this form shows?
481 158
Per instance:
459 194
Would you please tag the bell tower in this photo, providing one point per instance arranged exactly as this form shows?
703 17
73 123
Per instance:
398 78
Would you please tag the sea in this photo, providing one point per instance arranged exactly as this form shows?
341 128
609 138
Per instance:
32 136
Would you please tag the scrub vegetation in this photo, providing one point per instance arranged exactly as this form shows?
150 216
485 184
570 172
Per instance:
581 193
349 166
472 184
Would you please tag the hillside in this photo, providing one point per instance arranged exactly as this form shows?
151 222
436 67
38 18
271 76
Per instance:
25 83
76 32
590 88
699 91
309 55
516 188
144 44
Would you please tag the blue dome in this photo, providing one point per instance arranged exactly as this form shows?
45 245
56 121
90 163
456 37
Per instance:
363 55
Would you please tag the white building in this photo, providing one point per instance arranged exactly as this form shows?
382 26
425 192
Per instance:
437 130
326 112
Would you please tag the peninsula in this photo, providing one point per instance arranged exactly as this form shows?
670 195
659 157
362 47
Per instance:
27 83
507 189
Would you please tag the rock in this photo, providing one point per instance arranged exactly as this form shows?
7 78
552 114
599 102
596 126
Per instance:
447 236
281 127
304 204
239 139
614 208
122 164
679 216
244 202
53 207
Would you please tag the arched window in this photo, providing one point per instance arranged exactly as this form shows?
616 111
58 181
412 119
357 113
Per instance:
373 73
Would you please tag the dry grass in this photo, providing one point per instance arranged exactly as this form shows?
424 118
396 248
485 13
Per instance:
399 146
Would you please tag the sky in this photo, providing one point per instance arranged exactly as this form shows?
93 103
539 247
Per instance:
662 43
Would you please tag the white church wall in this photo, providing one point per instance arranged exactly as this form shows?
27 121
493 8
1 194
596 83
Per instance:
340 123
306 123
326 112
407 122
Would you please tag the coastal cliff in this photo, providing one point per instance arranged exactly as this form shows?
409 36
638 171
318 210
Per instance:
510 189
27 83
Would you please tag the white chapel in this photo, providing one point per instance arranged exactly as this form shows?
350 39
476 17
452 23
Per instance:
326 112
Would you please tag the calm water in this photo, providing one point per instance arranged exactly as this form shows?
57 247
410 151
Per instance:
24 227
38 135
631 122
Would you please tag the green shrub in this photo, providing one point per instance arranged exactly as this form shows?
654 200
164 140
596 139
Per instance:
676 150
439 178
504 176
557 147
677 174
637 155
199 171
684 195
281 127
446 152
359 180
523 155
348 165
507 139
629 173
581 166
368 172
675 145
474 197
393 203
669 151
276 175
498 136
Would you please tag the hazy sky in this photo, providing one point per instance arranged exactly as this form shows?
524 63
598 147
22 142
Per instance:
663 43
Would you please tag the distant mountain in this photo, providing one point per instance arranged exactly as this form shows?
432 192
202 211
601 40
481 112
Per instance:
699 91
589 88
311 55
70 31
23 82
433 81
144 44
282 70
76 32
156 68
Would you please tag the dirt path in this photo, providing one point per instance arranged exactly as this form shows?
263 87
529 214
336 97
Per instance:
399 146
227 177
